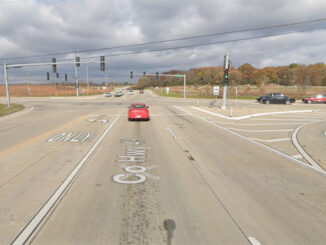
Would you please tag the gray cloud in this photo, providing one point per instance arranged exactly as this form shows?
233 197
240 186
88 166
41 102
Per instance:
41 27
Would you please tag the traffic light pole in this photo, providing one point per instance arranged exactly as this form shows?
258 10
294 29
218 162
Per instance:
7 86
225 80
76 76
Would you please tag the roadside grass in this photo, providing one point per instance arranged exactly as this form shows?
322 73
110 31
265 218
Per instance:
5 110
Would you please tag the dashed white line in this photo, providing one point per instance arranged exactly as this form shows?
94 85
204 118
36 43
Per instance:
254 241
171 132
279 119
272 140
29 229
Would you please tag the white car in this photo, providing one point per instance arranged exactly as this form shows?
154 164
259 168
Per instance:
131 92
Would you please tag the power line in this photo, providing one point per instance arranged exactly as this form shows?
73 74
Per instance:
171 40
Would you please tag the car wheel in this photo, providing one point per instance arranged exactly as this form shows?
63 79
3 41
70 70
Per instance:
309 102
287 102
267 102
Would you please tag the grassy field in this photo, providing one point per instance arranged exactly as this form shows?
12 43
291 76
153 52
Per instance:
4 110
243 92
50 90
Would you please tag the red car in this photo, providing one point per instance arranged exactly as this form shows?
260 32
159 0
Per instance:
141 91
319 98
138 111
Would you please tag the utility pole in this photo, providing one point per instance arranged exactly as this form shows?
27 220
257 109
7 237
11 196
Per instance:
27 78
7 85
87 78
76 75
225 79
184 86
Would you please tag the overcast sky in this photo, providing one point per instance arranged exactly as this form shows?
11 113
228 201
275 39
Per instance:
41 27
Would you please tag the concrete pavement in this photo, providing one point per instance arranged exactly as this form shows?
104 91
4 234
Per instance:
177 179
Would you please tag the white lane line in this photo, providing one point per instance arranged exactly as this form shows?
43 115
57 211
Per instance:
299 156
262 130
280 119
301 150
257 143
171 114
253 241
257 124
29 229
272 140
16 114
171 132
250 115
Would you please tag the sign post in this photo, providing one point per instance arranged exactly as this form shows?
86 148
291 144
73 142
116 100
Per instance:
167 89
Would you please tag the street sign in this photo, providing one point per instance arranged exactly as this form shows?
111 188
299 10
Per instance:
216 90
178 75
167 90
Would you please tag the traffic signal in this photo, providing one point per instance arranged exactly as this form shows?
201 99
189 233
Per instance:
156 75
76 85
102 59
57 75
226 77
54 65
131 75
78 61
48 76
144 73
66 77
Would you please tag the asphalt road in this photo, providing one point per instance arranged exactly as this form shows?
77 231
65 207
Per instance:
76 171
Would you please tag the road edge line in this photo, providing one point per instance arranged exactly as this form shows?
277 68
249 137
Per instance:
33 224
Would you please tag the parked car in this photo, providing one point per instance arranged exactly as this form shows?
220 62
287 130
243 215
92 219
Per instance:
108 94
275 98
138 111
141 91
131 92
319 98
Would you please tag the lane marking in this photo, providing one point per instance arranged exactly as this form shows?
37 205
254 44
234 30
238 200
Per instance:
39 137
250 115
33 224
171 132
270 149
262 130
299 156
257 124
280 119
254 241
301 150
272 140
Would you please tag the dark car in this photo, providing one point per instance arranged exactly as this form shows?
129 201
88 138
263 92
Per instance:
319 98
275 98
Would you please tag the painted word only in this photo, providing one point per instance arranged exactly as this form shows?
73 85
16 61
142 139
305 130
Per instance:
71 137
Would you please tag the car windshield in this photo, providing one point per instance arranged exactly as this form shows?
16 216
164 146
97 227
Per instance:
138 106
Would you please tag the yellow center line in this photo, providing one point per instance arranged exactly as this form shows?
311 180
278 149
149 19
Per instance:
44 135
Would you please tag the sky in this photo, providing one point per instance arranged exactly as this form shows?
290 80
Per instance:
65 28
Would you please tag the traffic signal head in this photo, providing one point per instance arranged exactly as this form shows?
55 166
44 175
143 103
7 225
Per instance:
57 75
48 76
54 65
102 63
144 73
78 61
66 77
131 75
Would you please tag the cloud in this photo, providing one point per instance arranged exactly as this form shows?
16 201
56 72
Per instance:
43 27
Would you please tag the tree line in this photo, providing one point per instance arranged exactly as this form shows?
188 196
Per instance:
291 75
